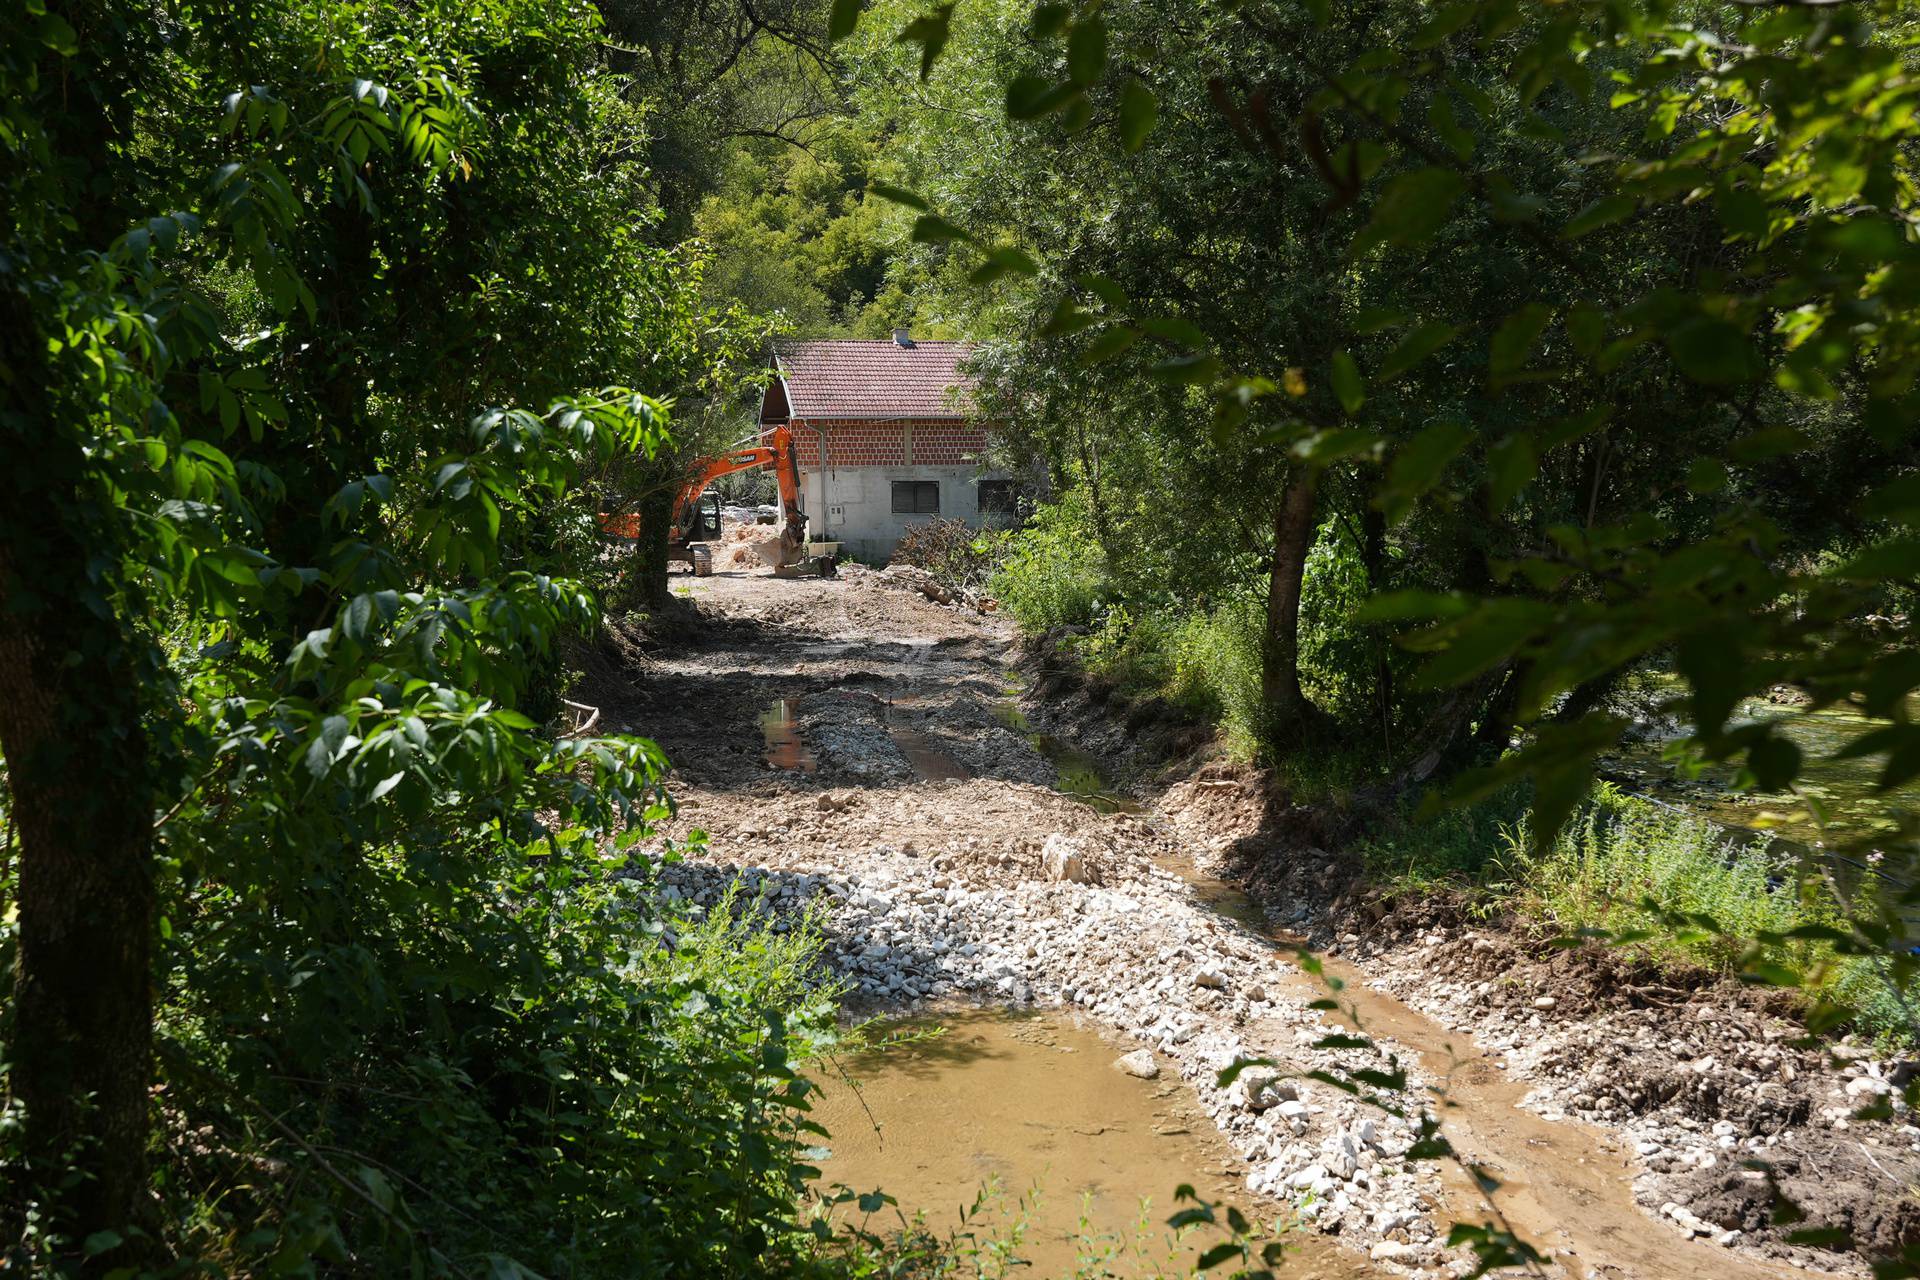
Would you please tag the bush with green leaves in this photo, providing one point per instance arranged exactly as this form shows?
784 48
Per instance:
310 313
1053 574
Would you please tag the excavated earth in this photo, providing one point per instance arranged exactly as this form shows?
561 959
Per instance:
853 749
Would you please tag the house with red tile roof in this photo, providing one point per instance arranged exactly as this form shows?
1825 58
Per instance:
886 435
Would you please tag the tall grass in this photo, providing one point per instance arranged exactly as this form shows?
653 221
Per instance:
1667 887
1624 865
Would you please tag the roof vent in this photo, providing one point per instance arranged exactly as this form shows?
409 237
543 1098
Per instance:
901 338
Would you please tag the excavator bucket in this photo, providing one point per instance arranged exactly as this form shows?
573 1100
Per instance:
789 548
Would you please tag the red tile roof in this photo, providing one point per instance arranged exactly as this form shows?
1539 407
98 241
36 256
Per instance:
832 378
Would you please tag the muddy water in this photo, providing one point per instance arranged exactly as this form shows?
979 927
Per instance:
931 762
1083 1158
1077 773
784 748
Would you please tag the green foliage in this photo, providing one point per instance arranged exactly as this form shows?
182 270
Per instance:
1053 574
277 284
793 236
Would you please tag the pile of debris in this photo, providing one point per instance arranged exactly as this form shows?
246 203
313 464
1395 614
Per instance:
907 577
740 543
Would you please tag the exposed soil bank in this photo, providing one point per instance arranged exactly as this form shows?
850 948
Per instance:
897 797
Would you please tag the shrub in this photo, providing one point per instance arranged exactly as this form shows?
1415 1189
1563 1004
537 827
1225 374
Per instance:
571 1079
1054 573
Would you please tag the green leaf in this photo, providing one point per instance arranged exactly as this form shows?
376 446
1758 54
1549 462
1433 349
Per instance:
1000 262
1138 112
930 31
900 195
1418 466
1218 1254
1322 448
1030 97
1049 20
1347 385
843 20
931 228
1511 466
1108 343
1513 341
1412 208
1415 347
1602 212
1087 49
1175 329
1194 369
1068 317
1713 351
100 1242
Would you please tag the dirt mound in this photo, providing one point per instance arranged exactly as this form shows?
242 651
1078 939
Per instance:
1809 1191
740 545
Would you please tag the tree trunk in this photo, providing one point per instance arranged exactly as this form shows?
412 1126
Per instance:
1288 710
649 588
80 1030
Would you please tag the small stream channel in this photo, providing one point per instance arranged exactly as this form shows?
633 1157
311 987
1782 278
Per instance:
1838 811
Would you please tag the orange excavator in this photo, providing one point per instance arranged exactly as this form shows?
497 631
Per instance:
696 512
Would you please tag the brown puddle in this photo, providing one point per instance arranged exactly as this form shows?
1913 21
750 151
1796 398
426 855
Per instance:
784 748
929 760
1030 1100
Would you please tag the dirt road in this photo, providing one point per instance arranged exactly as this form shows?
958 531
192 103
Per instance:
853 745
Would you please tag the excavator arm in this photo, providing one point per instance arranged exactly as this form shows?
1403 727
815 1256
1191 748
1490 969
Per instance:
778 452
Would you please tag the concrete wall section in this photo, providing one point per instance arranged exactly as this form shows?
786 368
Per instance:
854 505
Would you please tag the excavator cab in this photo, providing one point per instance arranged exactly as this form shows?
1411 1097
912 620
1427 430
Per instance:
704 522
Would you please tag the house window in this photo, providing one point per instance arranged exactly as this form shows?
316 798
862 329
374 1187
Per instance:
996 497
916 497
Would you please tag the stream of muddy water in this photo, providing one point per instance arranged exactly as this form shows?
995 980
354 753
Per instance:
1084 1158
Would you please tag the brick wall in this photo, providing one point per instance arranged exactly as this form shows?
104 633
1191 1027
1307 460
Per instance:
935 442
945 443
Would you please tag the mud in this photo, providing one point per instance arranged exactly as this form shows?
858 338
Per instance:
955 873
1082 1159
